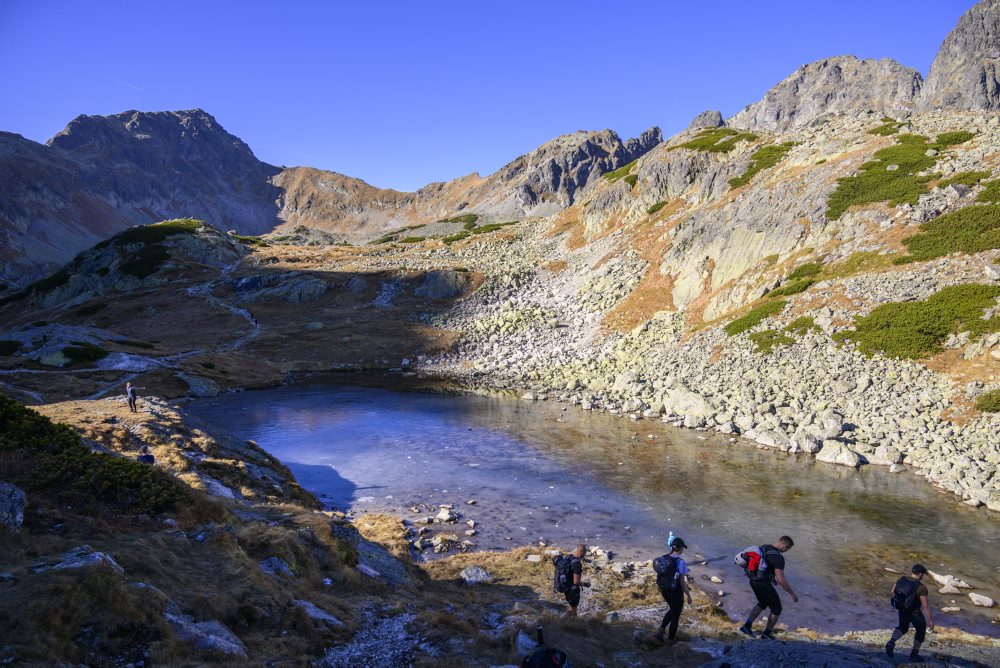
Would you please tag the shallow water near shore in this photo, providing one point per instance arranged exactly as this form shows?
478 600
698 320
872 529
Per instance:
544 470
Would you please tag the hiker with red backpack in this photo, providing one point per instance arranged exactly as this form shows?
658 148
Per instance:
671 580
909 598
765 566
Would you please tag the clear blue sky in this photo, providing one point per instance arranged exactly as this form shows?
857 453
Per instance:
405 93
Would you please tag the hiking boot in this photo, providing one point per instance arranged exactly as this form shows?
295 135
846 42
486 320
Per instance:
767 635
916 658
746 630
889 647
659 636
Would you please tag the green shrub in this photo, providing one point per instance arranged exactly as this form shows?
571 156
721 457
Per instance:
249 240
888 127
48 461
464 218
964 178
874 183
135 344
766 341
821 161
465 234
155 233
620 173
917 329
208 365
991 192
9 347
973 229
91 309
411 240
381 240
755 317
146 262
450 239
631 180
769 260
989 402
84 352
807 270
717 140
802 324
793 288
953 138
763 158
469 225
656 207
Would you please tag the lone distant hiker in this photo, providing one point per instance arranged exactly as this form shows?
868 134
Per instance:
671 580
909 598
763 572
130 394
569 577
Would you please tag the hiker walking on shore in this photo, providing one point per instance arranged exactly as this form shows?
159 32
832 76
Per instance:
130 395
909 598
569 577
671 580
765 566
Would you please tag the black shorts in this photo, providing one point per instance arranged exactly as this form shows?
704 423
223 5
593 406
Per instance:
573 596
915 617
767 596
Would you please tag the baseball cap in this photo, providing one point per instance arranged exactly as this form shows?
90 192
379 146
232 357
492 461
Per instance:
678 542
918 568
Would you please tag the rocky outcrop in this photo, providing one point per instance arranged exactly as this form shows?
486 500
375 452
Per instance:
965 75
832 85
706 119
11 507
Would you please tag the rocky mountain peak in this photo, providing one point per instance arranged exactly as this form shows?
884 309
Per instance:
965 75
706 119
832 85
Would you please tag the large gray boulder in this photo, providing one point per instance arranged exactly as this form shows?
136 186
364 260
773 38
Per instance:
965 75
209 635
707 119
11 507
835 452
444 284
832 85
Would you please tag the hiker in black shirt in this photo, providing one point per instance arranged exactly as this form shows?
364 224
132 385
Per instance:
770 571
909 597
576 568
673 586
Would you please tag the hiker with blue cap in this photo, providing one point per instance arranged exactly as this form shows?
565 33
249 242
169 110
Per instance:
671 580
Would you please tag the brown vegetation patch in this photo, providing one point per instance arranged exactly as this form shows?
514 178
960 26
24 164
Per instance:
653 293
555 266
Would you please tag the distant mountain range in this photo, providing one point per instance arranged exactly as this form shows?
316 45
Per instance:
103 174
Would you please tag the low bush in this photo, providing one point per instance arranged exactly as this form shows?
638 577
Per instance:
766 341
917 329
411 240
48 460
807 270
656 207
953 138
155 233
9 347
792 288
249 240
717 140
135 344
90 309
468 226
146 262
620 173
990 193
631 180
763 158
989 402
802 325
464 218
755 317
973 229
382 240
964 178
82 353
888 127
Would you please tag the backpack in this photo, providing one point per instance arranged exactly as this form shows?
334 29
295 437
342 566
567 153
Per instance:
545 658
749 559
666 572
563 581
905 597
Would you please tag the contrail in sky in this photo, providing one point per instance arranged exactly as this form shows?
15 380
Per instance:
125 83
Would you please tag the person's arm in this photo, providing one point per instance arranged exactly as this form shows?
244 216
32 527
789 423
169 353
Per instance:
685 588
927 612
779 576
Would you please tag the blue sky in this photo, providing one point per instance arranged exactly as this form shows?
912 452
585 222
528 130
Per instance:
405 93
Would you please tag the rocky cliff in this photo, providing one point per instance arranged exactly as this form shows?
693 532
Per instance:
833 85
966 72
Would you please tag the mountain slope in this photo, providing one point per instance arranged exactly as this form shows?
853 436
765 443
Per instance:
965 75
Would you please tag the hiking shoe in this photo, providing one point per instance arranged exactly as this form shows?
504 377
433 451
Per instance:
659 636
746 630
767 635
916 658
889 647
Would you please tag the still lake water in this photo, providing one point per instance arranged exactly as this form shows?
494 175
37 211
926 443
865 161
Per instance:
543 470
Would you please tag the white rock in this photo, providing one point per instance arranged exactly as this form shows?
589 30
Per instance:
476 575
949 580
318 614
534 558
981 601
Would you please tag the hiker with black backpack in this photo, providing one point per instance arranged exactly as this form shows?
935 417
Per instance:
909 598
765 566
671 580
569 577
